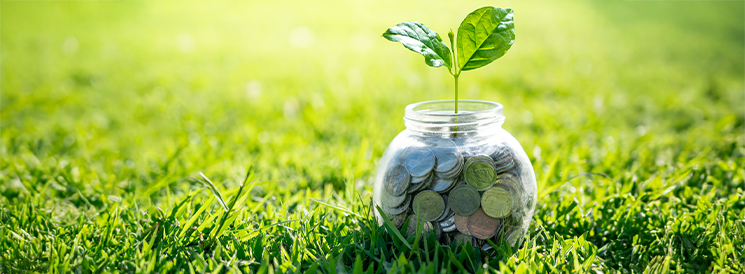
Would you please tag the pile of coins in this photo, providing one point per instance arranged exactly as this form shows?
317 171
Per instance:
459 193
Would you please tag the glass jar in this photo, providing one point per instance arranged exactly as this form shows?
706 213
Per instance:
466 178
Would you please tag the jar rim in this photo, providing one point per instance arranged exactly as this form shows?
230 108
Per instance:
416 107
440 117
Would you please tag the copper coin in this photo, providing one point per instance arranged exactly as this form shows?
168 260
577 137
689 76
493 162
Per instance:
461 223
482 226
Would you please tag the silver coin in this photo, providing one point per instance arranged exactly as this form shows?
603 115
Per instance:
429 180
452 186
397 180
448 222
419 161
416 187
441 185
398 209
503 160
447 162
419 180
393 201
480 157
455 172
446 212
487 247
509 180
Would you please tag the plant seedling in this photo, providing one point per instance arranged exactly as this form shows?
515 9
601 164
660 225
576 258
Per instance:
484 35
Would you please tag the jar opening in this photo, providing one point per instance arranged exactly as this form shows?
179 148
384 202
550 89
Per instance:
440 116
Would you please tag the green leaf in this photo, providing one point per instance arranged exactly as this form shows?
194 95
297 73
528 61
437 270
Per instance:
420 39
484 35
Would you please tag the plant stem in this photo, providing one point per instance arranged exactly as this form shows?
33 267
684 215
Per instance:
455 73
456 93
456 103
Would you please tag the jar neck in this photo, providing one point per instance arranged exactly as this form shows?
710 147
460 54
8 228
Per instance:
439 117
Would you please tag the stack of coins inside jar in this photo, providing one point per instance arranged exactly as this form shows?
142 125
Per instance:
460 192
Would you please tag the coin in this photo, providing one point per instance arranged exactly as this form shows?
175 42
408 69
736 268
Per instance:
411 227
449 221
512 234
503 160
415 187
429 205
487 247
393 201
446 212
482 226
461 223
397 180
424 183
419 180
497 201
447 161
449 214
455 171
464 200
451 187
509 180
419 161
480 173
429 180
398 209
481 157
450 228
441 185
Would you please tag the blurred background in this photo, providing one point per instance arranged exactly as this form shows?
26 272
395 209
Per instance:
121 92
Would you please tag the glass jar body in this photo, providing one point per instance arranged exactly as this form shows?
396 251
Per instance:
465 177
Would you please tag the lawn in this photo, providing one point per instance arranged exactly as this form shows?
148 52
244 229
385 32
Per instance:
632 113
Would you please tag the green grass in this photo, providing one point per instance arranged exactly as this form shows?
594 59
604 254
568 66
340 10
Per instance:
632 112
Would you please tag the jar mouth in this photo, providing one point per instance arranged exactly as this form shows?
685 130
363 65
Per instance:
440 117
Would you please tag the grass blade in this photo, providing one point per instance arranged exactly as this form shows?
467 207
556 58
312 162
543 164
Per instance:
339 208
392 228
209 184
